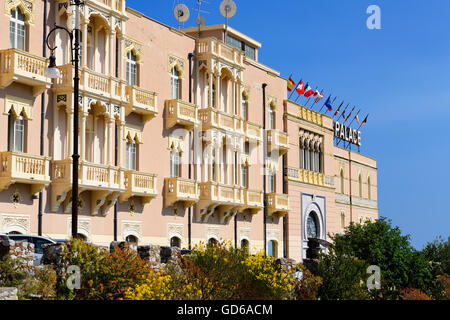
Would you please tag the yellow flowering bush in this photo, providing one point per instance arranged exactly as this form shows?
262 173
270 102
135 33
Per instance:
220 272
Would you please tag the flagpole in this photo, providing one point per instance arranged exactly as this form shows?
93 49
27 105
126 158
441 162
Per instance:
325 103
337 109
310 97
349 115
343 112
304 87
295 88
362 123
320 92
330 103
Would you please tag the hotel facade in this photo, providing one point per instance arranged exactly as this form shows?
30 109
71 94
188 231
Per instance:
184 137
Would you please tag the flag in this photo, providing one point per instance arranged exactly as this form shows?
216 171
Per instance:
349 114
300 88
319 97
328 104
365 120
290 84
308 91
338 109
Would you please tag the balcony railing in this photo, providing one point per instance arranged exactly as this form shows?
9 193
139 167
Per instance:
179 190
92 82
23 67
310 115
141 101
277 204
310 177
17 167
213 119
139 184
253 200
181 113
253 131
227 199
116 5
277 140
218 49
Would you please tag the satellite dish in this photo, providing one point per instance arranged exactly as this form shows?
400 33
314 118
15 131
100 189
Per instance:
228 8
200 21
181 13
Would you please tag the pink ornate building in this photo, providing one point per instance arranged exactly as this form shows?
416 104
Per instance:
174 125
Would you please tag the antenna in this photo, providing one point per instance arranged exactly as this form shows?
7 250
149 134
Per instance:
200 21
228 10
181 13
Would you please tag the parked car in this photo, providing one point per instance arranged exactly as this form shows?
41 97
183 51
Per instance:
37 241
3 237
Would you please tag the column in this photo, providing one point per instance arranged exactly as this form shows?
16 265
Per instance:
83 136
84 53
110 148
69 132
112 37
218 92
211 102
120 146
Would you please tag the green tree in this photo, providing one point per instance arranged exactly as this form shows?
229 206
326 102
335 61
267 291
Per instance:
438 252
379 243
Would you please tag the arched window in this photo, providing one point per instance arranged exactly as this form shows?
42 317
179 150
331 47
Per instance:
174 164
212 242
312 226
271 119
132 71
244 113
16 132
369 194
245 245
174 84
342 181
300 155
17 30
175 242
132 239
214 102
131 155
360 185
272 249
342 220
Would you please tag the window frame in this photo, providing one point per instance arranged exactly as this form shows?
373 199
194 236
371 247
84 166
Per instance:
13 124
175 84
132 69
16 22
131 150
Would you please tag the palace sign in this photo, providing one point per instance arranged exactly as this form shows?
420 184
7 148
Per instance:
345 133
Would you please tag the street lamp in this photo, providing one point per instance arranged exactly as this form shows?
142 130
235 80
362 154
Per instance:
54 73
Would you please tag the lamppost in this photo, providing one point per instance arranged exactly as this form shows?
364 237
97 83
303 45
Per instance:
54 73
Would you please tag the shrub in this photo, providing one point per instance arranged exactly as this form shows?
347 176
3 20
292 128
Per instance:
217 273
104 275
413 294
11 272
307 288
42 285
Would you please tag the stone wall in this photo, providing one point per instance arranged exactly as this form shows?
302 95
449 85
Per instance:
24 251
8 294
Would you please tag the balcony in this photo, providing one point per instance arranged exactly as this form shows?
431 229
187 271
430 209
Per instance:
139 184
310 115
227 199
277 204
94 83
253 131
23 67
178 190
277 140
16 167
213 48
106 183
253 201
181 113
213 119
141 101
108 5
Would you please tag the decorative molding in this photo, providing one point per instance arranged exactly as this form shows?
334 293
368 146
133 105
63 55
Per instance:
16 198
212 232
27 7
176 144
273 235
15 223
19 106
244 233
135 46
133 134
175 230
131 228
175 62
84 227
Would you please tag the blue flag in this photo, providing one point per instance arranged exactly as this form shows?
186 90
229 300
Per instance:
328 104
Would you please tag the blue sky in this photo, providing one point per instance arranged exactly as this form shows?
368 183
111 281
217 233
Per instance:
399 74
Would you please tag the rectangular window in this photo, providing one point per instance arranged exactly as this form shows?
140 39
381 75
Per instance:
174 164
174 88
271 119
131 156
131 73
16 134
243 109
244 176
272 183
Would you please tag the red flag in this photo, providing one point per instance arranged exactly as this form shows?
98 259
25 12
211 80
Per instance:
308 91
301 88
318 97
290 84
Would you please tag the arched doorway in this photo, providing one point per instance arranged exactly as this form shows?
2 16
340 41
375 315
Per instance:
212 242
132 240
245 244
312 226
272 249
175 242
